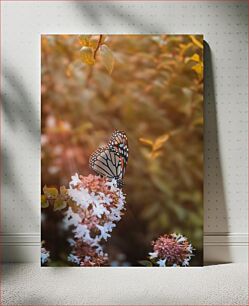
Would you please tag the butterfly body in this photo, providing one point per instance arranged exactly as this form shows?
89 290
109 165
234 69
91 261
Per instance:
111 160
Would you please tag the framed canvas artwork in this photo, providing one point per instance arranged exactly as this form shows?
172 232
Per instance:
122 150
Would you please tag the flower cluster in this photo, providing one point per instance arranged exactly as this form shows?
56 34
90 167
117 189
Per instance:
99 205
171 250
44 256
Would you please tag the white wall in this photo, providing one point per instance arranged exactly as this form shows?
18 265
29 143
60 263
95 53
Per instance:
224 25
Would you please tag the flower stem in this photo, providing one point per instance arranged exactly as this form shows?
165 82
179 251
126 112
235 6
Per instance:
98 45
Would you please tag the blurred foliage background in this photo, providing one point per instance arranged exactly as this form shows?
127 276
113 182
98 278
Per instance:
150 86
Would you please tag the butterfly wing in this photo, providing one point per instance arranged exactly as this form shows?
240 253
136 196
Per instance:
107 163
119 144
111 161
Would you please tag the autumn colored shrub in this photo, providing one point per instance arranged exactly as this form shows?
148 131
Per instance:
151 86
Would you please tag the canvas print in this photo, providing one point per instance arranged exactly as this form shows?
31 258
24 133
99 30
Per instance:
122 150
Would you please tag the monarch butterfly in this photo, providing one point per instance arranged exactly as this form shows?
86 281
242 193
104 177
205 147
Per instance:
111 160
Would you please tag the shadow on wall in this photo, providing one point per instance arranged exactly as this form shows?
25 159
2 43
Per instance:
214 194
19 103
123 17
19 116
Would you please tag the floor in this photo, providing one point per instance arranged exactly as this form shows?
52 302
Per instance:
28 284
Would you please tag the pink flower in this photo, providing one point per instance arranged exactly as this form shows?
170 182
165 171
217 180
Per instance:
171 250
98 206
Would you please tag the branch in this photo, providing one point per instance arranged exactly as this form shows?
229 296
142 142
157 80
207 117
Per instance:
98 45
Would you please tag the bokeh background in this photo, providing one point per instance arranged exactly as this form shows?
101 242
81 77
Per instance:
150 86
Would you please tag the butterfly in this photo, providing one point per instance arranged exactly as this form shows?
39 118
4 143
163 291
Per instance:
111 160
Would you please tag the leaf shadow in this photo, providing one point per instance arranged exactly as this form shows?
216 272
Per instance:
124 17
19 115
18 107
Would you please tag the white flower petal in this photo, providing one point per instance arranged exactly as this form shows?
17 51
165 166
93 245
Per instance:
161 262
75 180
153 255
44 255
74 259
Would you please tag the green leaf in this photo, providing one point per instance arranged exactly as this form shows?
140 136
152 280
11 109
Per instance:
50 192
107 58
59 204
145 263
44 202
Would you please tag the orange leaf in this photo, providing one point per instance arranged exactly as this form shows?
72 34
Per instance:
160 142
146 141
196 41
154 155
84 40
107 57
87 55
